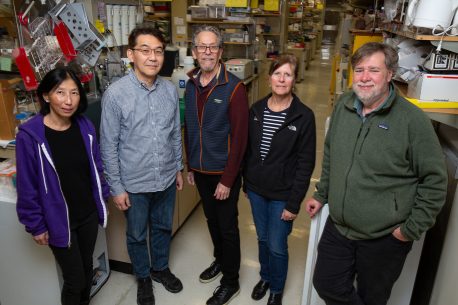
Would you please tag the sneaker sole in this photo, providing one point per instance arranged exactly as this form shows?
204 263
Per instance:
166 288
210 280
232 297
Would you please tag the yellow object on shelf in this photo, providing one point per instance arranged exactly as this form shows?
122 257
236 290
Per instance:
236 3
431 104
271 5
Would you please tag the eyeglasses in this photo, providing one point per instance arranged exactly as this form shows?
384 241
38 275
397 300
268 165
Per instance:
279 75
203 48
147 51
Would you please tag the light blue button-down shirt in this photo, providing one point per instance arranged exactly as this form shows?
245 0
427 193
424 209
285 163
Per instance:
140 135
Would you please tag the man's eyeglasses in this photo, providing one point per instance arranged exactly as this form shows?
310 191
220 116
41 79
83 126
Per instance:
148 51
203 48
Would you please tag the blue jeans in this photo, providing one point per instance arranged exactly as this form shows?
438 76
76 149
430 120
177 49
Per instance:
272 234
154 211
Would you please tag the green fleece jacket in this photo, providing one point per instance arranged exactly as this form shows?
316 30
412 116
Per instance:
385 172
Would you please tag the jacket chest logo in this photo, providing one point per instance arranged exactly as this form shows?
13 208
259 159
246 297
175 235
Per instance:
383 126
292 127
217 101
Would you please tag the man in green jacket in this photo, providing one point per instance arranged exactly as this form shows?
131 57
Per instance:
384 179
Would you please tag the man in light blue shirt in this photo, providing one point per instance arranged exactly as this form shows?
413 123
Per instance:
142 153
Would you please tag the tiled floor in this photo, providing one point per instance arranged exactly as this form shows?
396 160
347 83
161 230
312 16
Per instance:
191 250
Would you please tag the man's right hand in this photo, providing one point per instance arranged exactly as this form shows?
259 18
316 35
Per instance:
122 201
312 206
190 178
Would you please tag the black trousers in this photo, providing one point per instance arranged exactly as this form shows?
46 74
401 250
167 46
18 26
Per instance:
376 264
76 262
222 221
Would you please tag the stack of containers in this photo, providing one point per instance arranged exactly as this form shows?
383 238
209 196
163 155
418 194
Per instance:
179 78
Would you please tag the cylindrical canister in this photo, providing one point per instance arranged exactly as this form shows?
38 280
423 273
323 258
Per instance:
109 15
117 24
125 24
132 17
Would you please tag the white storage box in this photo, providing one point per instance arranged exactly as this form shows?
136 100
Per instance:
242 68
434 87
199 12
216 11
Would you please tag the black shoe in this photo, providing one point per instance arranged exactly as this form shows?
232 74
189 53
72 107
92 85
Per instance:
145 294
223 295
259 291
275 299
211 273
168 279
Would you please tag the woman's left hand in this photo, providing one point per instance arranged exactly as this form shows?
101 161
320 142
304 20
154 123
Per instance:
41 239
288 216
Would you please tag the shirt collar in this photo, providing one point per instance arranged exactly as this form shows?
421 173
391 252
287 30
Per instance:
358 105
140 84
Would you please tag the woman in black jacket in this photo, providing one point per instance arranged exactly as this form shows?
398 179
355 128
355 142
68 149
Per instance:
278 166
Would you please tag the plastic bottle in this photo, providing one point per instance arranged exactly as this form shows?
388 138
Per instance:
179 78
179 75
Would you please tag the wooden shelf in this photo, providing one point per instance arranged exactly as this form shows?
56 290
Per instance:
416 36
210 21
267 15
229 43
237 43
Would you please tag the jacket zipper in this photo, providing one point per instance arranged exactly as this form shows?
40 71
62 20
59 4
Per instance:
364 139
285 123
348 173
99 184
48 157
258 121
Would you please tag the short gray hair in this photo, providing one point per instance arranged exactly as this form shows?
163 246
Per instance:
391 55
207 28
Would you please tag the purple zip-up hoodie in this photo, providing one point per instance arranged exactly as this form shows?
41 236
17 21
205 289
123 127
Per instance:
41 205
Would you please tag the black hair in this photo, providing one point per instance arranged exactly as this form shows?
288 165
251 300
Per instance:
144 30
52 80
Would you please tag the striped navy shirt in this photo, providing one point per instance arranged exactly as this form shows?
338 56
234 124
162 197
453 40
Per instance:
271 123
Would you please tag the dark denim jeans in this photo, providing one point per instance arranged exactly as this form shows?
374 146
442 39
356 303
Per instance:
154 211
272 234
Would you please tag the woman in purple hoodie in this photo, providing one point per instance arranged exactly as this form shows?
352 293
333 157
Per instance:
60 184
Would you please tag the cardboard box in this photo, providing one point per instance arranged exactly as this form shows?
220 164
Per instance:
434 87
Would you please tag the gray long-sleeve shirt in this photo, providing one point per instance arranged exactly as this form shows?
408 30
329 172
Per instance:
140 135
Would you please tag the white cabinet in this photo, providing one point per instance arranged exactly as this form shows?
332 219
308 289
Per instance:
28 272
